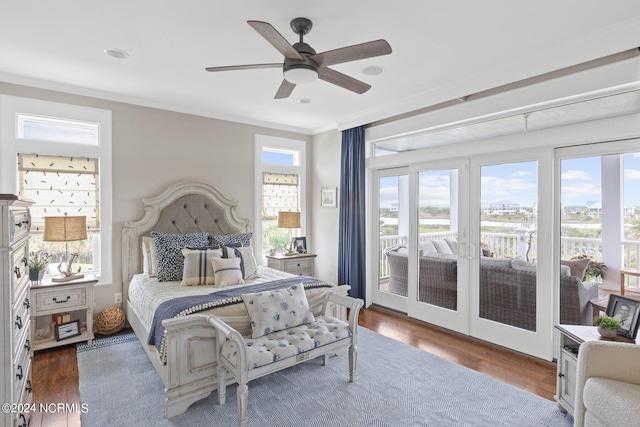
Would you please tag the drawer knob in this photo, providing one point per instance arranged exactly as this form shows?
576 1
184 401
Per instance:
27 345
55 299
17 272
561 375
26 303
19 373
28 387
24 421
19 322
25 261
298 264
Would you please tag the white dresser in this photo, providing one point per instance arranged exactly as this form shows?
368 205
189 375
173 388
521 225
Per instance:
15 357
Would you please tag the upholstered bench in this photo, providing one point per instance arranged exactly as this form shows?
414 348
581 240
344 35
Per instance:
247 358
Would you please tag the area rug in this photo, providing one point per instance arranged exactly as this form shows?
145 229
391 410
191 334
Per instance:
396 385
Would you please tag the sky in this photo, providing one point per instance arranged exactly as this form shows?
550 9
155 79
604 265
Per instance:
517 182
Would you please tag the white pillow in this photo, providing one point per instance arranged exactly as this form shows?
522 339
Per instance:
442 247
197 268
149 257
226 271
248 264
277 310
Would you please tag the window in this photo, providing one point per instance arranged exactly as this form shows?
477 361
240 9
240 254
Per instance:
280 180
59 156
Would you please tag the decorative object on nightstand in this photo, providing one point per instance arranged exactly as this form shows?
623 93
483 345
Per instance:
607 326
38 265
289 220
66 229
61 303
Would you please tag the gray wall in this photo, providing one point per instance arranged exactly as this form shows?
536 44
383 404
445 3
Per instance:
153 148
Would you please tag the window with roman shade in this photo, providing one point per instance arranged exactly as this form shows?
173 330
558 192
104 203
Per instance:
280 192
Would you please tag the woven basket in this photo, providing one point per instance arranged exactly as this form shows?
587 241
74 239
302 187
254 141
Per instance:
109 321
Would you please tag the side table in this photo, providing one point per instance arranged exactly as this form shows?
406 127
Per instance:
51 298
571 337
301 264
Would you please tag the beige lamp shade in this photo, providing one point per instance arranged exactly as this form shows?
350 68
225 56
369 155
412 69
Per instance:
289 219
65 228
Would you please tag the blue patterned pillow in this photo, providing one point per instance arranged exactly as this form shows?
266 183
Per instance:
277 310
226 239
169 251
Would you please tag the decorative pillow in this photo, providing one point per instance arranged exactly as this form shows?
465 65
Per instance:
169 250
496 262
226 239
248 264
226 271
277 310
427 247
442 247
149 257
197 268
453 244
578 266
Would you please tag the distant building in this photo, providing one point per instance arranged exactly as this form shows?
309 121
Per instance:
394 207
503 207
595 210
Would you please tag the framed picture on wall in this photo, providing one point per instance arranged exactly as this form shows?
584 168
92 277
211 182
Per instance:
328 197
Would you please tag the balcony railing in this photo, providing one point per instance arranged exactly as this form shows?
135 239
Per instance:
505 245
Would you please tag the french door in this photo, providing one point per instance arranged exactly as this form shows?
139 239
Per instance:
448 235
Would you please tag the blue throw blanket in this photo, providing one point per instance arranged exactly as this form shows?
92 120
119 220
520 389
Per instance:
193 304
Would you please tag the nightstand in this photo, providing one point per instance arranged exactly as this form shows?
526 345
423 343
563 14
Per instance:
301 264
74 297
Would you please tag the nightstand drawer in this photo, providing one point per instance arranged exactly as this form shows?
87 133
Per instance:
60 300
297 264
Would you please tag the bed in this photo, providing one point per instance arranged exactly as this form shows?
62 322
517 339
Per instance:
184 357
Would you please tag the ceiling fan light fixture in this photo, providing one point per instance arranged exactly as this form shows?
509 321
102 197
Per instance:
301 75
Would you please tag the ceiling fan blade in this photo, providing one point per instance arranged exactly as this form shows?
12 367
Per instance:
352 53
272 35
285 90
342 80
244 67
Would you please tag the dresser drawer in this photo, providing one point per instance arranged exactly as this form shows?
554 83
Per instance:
19 270
61 299
20 318
21 419
20 223
21 371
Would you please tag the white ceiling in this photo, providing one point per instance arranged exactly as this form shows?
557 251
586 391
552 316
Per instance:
441 51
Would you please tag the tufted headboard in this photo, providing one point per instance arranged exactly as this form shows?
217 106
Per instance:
185 207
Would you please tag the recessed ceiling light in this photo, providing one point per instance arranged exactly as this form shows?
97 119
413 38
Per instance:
116 53
304 100
372 70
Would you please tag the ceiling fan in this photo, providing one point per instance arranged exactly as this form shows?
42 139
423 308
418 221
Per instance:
303 65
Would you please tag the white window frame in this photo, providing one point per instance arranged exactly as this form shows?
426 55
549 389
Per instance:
285 145
11 144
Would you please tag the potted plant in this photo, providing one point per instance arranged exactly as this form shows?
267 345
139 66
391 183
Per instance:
607 326
37 265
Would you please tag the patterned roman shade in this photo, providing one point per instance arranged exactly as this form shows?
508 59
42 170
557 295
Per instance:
280 192
60 185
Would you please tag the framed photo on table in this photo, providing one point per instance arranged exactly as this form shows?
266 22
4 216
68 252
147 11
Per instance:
328 197
67 330
627 312
300 245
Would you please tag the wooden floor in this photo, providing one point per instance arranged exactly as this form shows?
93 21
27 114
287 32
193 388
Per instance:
55 371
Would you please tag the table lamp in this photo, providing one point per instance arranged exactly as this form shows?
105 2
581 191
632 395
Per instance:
66 229
289 220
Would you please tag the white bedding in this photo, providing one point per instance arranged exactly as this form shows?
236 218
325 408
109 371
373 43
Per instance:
146 294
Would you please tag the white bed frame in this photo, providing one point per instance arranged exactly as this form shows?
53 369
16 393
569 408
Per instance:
190 370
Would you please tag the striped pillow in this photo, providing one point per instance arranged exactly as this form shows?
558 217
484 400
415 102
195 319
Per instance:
227 271
248 265
197 266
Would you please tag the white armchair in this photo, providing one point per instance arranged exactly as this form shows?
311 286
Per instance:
608 384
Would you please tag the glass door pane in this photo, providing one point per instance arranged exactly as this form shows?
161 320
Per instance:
393 231
437 238
508 249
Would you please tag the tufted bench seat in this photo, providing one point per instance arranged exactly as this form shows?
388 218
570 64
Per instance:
247 358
